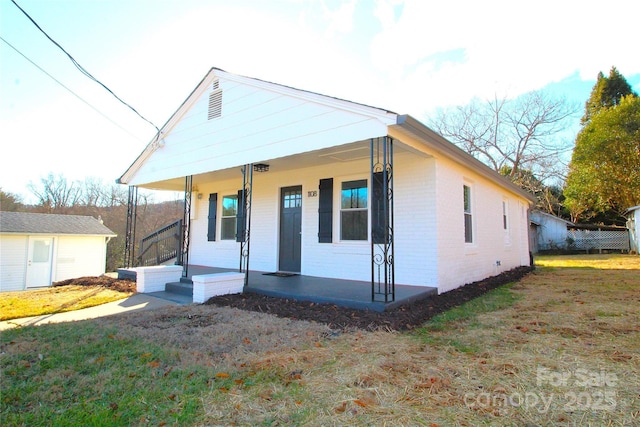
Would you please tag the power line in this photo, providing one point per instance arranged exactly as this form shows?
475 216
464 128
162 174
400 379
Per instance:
82 69
69 90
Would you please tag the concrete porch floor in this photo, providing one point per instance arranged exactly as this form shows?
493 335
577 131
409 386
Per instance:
346 293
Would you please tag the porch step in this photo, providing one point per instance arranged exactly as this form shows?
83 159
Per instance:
179 288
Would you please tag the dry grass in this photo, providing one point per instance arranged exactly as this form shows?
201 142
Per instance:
558 348
14 305
218 337
603 262
499 367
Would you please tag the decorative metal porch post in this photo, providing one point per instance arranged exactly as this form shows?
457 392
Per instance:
130 233
382 262
186 226
244 229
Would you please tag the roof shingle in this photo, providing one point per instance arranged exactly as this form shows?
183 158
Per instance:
37 223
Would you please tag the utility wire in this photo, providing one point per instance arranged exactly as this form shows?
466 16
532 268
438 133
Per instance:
82 69
61 84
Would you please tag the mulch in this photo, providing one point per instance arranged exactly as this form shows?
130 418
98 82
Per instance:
402 318
336 317
119 285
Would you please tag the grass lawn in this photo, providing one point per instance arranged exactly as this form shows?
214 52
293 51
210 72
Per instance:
559 347
14 305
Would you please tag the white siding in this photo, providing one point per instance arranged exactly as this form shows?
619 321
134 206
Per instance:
415 227
256 124
78 256
429 225
13 262
552 231
634 233
461 263
73 256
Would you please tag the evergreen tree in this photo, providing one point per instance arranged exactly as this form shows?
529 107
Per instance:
604 174
607 92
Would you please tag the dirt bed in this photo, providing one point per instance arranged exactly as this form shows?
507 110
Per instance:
112 283
336 317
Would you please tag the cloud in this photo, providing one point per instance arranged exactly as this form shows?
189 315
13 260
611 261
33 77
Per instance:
498 46
340 19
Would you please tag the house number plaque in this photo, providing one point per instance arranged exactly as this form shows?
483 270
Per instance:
312 193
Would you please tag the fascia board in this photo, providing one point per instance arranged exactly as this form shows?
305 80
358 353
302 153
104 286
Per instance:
166 128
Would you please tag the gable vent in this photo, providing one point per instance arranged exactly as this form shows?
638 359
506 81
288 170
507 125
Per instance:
215 103
216 85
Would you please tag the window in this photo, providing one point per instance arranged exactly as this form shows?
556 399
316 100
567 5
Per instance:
292 199
468 223
505 223
229 213
353 210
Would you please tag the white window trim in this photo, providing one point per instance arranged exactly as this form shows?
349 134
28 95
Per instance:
222 217
474 236
506 217
338 212
506 221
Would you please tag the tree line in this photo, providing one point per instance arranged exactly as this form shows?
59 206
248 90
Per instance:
55 194
522 139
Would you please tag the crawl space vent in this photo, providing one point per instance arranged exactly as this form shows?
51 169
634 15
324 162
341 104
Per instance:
215 102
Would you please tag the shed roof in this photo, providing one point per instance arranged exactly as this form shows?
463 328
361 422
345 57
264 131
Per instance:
37 223
631 209
536 214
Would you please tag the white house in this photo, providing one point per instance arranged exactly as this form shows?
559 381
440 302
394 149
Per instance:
633 225
550 231
326 187
38 249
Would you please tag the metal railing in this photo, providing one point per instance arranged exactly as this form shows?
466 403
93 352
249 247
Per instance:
161 246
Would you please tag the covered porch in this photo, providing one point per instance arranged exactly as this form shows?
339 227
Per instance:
320 290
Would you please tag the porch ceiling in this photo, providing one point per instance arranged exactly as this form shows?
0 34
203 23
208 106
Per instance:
359 150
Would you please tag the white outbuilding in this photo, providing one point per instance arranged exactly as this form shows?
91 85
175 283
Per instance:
38 249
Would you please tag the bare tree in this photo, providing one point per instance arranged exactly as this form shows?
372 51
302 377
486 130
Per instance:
95 192
511 136
55 193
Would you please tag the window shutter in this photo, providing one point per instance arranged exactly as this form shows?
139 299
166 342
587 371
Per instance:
213 209
380 221
325 211
241 222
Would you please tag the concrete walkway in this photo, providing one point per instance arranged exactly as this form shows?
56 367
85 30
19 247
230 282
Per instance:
135 302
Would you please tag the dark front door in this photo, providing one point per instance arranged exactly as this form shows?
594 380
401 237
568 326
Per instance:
290 228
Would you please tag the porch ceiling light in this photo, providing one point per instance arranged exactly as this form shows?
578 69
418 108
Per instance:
261 167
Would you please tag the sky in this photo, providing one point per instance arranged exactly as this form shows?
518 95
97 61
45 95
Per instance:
407 56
